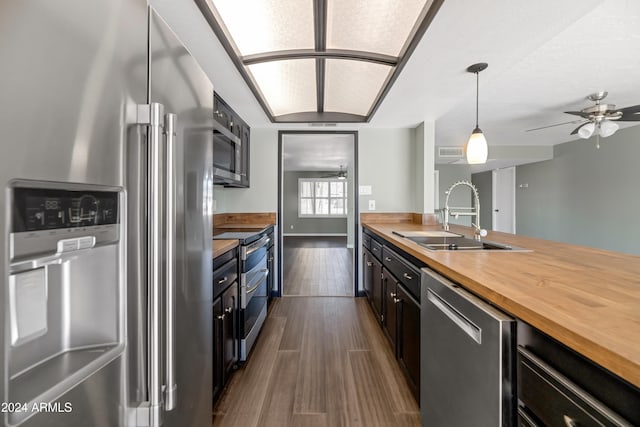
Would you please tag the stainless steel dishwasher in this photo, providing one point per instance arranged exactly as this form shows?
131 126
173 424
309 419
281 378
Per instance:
468 358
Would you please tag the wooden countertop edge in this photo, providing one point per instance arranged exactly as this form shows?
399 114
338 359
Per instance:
619 364
222 246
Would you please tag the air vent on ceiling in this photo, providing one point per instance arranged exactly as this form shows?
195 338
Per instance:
450 152
314 125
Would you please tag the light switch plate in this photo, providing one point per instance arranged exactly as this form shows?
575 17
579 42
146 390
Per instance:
365 190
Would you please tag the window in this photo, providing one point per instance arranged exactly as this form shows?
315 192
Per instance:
322 197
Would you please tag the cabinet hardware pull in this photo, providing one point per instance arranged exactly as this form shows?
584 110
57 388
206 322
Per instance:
224 279
270 259
392 295
375 249
221 317
387 259
228 310
397 300
406 276
369 264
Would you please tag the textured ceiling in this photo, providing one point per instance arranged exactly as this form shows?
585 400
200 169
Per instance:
320 152
544 57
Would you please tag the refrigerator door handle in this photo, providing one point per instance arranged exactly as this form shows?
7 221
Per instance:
170 393
149 413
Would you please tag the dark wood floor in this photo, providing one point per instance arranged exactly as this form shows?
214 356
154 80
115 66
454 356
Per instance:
319 361
317 266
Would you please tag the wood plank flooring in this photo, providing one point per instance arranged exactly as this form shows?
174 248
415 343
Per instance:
317 266
319 361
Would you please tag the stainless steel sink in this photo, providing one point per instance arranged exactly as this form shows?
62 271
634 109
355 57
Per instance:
458 243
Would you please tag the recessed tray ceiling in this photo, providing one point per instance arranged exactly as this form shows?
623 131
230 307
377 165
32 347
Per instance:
320 60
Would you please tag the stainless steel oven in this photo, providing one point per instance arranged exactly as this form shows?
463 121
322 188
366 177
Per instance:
227 160
253 292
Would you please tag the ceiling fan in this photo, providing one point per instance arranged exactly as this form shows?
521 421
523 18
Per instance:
599 119
342 174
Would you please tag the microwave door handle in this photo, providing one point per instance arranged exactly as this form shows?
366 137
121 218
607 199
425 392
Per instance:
170 390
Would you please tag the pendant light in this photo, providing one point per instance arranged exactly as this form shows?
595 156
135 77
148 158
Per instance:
477 149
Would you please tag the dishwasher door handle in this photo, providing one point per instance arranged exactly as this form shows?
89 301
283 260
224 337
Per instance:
455 316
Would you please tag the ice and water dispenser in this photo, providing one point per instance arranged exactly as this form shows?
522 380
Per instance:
64 296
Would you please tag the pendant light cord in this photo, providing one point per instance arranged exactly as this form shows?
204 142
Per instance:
477 95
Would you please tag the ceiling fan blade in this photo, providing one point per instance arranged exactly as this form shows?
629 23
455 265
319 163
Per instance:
557 124
575 131
629 117
578 113
631 109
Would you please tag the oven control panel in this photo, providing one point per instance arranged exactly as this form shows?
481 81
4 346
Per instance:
36 209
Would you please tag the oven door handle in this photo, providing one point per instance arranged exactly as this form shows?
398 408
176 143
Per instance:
249 249
264 273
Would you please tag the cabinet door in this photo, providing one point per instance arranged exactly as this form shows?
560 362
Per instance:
367 273
271 264
229 329
376 289
408 315
218 371
390 325
245 138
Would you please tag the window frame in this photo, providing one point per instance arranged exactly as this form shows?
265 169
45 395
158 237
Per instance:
344 198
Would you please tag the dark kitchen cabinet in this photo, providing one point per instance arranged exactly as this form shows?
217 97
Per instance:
229 333
376 289
390 324
392 284
408 339
218 370
226 330
245 138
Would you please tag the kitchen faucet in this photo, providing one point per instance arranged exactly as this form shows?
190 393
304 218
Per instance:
465 211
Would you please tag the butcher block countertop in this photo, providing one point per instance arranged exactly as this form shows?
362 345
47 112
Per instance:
222 246
586 298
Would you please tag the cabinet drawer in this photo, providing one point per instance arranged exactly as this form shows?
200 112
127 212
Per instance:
405 272
366 241
376 249
224 276
556 400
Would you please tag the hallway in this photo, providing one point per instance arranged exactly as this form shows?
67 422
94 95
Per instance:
319 361
317 266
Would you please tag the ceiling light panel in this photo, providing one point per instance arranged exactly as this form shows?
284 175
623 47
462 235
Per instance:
379 26
288 86
352 86
268 25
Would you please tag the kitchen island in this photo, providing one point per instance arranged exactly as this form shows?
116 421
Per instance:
586 298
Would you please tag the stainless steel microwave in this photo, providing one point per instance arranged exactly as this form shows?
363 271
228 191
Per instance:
227 152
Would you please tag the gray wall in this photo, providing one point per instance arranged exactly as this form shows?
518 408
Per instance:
584 195
386 163
483 182
290 209
461 197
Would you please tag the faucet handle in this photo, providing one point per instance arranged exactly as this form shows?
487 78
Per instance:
483 232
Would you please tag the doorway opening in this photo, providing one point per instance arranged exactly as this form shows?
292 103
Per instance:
317 213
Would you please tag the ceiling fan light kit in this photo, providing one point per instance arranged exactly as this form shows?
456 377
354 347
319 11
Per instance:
477 149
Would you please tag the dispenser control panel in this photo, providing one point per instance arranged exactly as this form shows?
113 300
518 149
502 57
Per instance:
36 209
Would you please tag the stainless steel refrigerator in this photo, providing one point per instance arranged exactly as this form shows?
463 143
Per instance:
106 267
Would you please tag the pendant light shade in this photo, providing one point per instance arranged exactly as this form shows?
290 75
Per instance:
477 149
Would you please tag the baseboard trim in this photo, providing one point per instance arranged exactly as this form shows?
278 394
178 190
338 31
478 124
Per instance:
315 234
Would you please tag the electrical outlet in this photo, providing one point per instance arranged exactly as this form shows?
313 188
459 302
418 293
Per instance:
292 227
372 205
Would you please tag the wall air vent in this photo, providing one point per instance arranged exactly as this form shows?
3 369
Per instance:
318 125
450 152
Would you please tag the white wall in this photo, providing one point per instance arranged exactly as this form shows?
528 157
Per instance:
262 196
385 162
